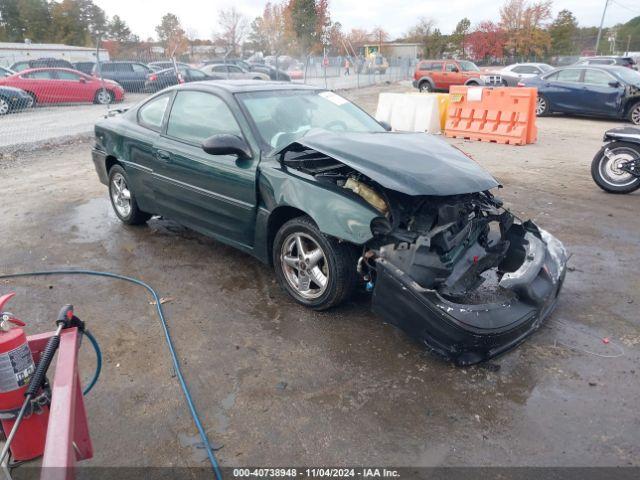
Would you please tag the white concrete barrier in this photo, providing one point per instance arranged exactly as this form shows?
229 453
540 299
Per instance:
409 113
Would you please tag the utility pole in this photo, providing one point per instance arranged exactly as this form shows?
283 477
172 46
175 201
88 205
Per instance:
606 4
628 44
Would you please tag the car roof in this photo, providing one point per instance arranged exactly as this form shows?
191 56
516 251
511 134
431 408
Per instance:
123 61
240 86
57 69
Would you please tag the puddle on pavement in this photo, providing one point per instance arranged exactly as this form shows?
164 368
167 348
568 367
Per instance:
91 222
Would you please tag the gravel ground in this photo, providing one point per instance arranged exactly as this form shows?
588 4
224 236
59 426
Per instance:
281 385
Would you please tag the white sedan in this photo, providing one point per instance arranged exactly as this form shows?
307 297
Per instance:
511 74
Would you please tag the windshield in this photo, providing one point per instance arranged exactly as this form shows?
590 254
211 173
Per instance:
283 116
544 67
628 75
467 66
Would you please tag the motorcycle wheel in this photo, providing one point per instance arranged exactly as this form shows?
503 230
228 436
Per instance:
605 167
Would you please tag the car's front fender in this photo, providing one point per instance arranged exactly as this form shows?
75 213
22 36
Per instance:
335 212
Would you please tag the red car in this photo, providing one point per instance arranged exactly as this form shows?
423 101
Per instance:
63 85
432 75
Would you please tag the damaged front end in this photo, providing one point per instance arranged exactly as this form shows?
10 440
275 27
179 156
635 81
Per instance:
446 262
464 277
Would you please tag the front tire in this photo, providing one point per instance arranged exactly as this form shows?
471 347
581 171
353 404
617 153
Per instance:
123 200
4 106
318 271
104 97
606 173
634 114
425 86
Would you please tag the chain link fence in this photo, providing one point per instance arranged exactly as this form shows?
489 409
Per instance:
49 99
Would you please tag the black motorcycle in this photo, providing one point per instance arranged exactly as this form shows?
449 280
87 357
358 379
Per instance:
616 167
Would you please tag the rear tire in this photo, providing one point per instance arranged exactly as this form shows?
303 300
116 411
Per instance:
607 175
336 267
123 200
542 106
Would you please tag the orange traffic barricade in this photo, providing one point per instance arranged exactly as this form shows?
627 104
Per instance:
501 115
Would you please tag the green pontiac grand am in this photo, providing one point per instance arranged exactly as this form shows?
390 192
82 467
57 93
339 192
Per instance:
305 180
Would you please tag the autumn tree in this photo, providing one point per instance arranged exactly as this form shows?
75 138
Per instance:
358 37
524 25
35 19
303 18
172 35
269 32
487 41
564 31
233 25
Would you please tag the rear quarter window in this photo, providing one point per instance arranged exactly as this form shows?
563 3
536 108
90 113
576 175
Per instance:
151 114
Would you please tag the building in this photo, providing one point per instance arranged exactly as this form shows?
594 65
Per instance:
11 53
395 50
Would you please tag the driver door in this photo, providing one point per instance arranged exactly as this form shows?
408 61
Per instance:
214 194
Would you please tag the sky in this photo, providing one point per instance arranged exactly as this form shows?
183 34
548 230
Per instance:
395 16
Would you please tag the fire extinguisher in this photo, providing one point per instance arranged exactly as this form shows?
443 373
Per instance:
16 369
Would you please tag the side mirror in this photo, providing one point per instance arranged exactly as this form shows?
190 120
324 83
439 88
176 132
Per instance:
614 84
226 144
385 125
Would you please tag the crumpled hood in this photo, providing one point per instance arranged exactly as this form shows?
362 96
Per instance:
410 163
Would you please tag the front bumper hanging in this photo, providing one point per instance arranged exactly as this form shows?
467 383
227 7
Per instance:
471 333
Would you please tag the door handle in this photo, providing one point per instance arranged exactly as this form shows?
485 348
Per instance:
163 155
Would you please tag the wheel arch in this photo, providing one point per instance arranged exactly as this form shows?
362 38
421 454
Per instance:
277 218
632 102
428 80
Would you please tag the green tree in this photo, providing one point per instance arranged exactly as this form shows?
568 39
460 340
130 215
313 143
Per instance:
118 30
35 18
68 24
11 24
304 22
564 32
460 34
629 34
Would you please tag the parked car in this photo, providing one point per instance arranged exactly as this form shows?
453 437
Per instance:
41 63
131 75
13 99
597 91
274 73
305 180
63 85
232 72
166 78
164 64
432 75
512 74
84 67
628 62
5 72
229 61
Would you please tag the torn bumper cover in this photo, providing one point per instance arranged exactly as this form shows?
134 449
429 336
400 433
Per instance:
468 333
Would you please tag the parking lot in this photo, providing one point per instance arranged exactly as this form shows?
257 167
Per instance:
278 384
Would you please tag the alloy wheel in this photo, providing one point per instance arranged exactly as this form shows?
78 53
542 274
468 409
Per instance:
104 97
304 265
4 106
120 195
635 115
541 106
610 170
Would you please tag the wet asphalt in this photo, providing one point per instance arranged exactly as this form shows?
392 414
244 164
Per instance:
277 384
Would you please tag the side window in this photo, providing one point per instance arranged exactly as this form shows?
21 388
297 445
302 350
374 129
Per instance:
123 67
40 75
526 69
219 68
196 74
451 67
138 68
62 75
436 67
108 67
234 69
151 113
597 77
425 66
571 75
196 116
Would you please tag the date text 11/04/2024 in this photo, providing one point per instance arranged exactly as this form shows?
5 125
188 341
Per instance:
316 472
